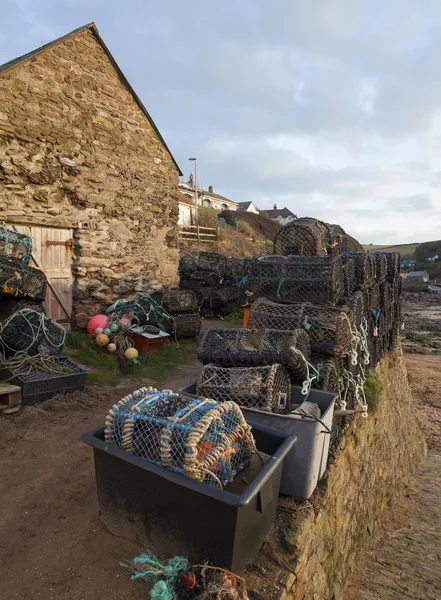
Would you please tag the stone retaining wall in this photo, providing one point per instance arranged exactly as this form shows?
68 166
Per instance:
315 545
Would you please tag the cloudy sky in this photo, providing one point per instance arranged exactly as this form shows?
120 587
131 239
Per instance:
330 107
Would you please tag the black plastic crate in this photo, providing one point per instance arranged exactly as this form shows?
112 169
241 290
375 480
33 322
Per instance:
177 515
39 386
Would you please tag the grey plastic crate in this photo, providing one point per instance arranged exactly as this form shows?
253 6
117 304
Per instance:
306 463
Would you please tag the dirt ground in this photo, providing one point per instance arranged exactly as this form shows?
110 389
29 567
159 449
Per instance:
52 546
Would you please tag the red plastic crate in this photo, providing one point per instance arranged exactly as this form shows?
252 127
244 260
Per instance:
143 344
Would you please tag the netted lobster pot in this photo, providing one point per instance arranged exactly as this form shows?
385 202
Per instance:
251 347
175 301
235 268
187 325
144 310
212 261
315 279
386 294
364 267
372 297
349 277
17 246
355 305
267 268
393 265
221 296
337 239
188 265
329 328
393 336
21 281
30 331
201 439
9 305
206 278
380 266
265 388
254 289
302 237
327 377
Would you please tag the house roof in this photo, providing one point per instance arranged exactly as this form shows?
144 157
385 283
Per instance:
93 28
279 212
202 192
416 273
244 205
183 199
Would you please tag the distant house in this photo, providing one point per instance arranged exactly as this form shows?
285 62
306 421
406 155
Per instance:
422 276
248 206
432 258
206 197
408 263
187 210
281 215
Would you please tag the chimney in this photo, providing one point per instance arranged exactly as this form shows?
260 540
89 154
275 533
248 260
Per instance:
275 206
210 189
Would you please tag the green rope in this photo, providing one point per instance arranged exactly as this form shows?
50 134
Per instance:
281 282
148 567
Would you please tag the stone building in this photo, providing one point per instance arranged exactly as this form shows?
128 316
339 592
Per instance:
84 169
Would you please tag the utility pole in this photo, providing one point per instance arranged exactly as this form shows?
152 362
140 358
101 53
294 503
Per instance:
195 188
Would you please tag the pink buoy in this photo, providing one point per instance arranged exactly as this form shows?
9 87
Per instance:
98 321
125 322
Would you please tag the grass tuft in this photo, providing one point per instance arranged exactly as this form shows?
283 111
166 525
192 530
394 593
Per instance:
372 389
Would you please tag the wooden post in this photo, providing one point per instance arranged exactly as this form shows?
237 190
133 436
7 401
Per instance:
218 229
199 238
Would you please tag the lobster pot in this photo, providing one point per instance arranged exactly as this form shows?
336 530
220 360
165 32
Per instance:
327 378
349 277
386 294
364 267
14 245
21 281
187 325
212 261
205 440
314 279
380 266
355 305
175 301
393 265
206 278
235 268
393 336
337 239
219 297
372 298
187 265
258 288
302 237
30 331
251 347
265 388
144 310
267 268
9 306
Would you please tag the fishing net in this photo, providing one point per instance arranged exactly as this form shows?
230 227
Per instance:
143 311
9 306
330 329
17 246
201 439
349 277
250 347
21 281
380 266
212 261
32 332
364 267
187 325
302 237
175 301
265 388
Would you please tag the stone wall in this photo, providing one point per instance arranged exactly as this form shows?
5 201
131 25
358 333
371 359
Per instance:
316 544
77 151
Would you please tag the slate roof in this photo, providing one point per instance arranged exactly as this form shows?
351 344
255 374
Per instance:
244 205
93 28
279 212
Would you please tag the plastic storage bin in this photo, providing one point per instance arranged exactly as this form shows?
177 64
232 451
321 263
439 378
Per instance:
174 515
36 387
306 463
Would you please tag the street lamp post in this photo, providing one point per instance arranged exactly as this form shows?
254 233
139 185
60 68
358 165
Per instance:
195 188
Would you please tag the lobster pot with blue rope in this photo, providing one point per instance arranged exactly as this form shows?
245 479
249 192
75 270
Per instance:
14 245
257 347
265 388
200 438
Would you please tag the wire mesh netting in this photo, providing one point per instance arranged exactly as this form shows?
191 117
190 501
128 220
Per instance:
19 280
213 261
174 301
15 245
32 332
302 237
201 439
265 388
187 324
251 347
144 311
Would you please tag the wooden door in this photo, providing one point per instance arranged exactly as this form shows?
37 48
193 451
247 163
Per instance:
52 253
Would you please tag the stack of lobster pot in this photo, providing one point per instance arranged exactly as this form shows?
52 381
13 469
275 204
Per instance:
183 307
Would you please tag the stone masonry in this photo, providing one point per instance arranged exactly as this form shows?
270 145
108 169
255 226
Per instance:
77 151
